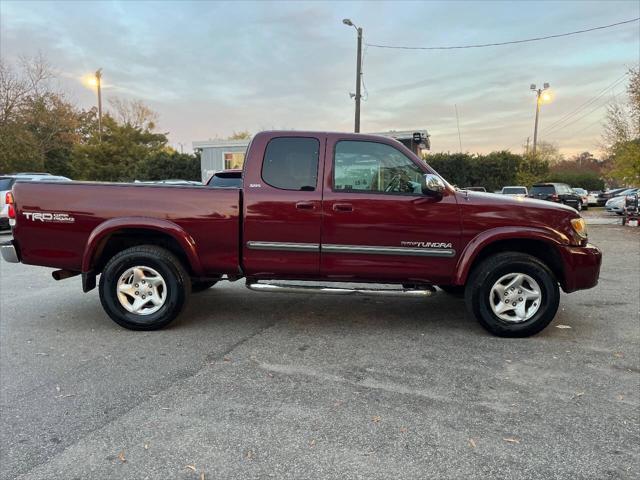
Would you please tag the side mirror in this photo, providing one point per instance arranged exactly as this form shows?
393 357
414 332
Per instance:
432 185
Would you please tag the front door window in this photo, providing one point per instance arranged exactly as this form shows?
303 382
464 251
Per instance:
370 167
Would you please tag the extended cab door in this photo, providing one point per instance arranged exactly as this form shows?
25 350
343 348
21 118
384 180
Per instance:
282 205
377 224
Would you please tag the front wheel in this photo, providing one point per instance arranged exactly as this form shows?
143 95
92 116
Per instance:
513 295
144 287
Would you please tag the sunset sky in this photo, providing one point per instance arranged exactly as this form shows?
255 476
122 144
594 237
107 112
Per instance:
211 68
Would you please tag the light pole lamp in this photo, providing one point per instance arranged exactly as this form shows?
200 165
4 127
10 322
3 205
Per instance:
358 96
538 92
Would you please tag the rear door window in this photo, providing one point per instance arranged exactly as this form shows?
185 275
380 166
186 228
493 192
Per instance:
543 190
514 190
291 163
6 183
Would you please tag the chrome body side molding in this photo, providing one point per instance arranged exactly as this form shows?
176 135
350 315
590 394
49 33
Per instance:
420 252
284 246
366 249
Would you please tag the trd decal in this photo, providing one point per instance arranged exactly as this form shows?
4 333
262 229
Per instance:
49 217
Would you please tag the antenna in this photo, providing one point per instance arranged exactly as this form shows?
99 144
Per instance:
458 123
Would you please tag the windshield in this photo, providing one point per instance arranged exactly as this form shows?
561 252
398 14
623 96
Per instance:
580 191
6 183
514 191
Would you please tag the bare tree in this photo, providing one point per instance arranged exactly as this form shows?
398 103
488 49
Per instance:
19 87
242 135
134 113
623 119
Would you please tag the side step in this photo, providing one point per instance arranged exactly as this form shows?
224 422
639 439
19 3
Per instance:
310 289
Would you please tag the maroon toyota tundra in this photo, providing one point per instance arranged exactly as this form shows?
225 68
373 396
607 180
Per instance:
313 208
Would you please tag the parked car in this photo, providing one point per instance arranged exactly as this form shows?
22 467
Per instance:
6 183
231 178
476 189
617 203
584 197
605 196
593 197
514 191
556 192
314 207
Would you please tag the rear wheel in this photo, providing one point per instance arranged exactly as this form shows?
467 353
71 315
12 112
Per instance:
513 295
144 287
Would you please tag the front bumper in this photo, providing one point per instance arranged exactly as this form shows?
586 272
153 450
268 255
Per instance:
9 252
581 267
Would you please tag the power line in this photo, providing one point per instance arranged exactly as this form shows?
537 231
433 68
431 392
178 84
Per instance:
482 45
584 105
562 127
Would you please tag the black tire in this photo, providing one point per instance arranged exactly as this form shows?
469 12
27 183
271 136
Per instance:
178 286
197 287
487 273
453 290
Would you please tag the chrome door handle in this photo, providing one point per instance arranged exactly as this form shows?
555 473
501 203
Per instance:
305 206
343 207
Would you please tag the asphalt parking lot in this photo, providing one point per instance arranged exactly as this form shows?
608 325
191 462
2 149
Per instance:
250 385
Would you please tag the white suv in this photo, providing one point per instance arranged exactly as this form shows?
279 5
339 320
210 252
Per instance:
515 191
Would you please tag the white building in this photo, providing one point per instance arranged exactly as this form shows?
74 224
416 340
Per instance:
217 155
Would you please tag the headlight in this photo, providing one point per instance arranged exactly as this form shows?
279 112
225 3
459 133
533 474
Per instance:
580 227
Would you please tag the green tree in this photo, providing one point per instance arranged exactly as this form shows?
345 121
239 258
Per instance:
116 157
531 170
492 171
169 164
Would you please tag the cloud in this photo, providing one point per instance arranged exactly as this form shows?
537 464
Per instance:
211 68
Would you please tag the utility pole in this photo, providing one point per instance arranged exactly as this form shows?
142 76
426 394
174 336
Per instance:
98 82
358 96
538 97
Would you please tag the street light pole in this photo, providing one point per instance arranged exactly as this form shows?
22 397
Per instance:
98 81
358 95
535 128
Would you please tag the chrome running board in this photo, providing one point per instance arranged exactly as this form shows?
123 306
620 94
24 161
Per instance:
310 289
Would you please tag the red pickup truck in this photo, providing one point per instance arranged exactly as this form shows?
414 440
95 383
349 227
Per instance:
313 208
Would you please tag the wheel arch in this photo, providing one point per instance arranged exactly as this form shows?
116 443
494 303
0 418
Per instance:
115 235
537 242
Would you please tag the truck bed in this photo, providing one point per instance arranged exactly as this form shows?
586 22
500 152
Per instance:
55 221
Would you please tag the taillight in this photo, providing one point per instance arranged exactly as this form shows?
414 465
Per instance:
11 209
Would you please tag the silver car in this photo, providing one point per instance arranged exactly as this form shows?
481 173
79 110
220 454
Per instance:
617 203
6 184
